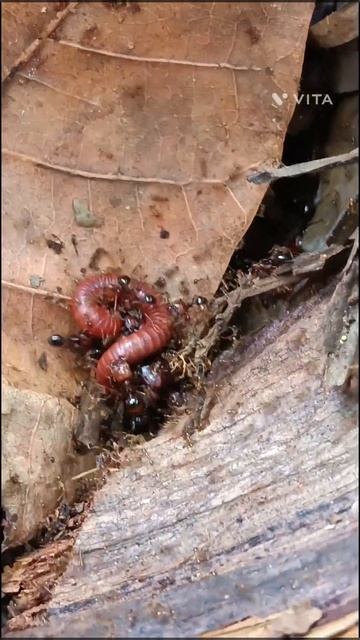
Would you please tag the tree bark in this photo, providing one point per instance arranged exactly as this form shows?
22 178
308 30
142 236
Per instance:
258 515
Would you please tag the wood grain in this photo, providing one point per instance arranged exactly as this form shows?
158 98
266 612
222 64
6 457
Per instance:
258 516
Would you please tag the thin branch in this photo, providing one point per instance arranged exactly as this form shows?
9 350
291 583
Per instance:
39 292
25 56
265 177
187 63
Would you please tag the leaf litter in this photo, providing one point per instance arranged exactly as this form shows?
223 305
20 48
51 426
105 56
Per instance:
104 110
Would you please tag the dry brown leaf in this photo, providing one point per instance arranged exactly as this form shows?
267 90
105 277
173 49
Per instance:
145 118
165 145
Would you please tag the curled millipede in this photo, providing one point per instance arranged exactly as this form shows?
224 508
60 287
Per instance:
97 307
91 305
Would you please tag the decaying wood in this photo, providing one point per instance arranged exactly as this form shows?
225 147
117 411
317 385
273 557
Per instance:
258 516
30 579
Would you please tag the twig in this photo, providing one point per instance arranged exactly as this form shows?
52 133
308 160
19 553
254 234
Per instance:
39 292
30 50
264 177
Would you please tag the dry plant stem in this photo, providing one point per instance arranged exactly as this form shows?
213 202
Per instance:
264 177
249 290
25 56
38 292
225 306
85 473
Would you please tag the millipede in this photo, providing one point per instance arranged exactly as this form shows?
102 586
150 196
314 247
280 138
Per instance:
124 326
128 312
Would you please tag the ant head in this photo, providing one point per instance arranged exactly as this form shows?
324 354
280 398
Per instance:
124 281
179 310
199 301
56 341
144 293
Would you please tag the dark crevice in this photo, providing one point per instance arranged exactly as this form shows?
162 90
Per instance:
289 204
